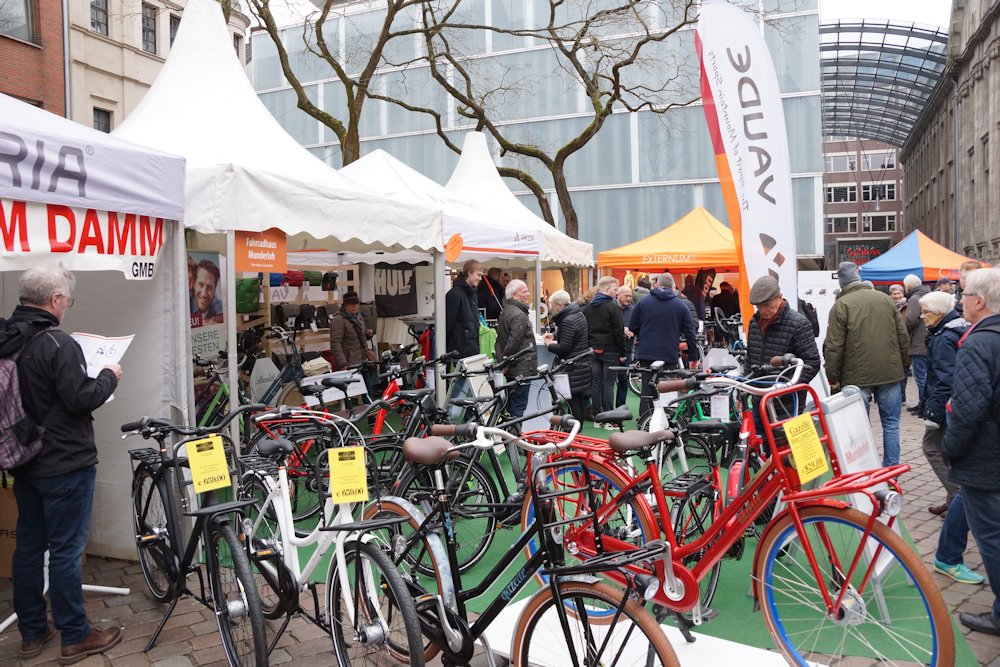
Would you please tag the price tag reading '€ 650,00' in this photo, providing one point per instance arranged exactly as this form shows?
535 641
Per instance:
207 459
348 477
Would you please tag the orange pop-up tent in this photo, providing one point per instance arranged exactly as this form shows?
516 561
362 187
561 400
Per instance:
695 241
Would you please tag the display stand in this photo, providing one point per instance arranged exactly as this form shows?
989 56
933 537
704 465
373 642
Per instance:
87 588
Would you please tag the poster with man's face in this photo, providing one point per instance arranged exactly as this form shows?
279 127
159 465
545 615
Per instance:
205 289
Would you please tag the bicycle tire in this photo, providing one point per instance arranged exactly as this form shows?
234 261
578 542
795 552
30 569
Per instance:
385 465
270 573
150 522
303 485
691 518
394 540
917 612
402 638
473 507
635 383
541 624
290 395
235 596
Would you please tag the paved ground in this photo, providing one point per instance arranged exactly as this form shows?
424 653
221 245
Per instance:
191 636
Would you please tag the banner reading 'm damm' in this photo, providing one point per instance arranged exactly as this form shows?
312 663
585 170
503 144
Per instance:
742 103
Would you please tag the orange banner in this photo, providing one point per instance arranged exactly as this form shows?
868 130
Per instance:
261 251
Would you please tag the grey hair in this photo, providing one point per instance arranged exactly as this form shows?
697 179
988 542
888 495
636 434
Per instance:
607 281
941 303
513 286
896 287
37 285
985 283
560 296
665 280
911 282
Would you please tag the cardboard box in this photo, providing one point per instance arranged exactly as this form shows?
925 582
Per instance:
8 527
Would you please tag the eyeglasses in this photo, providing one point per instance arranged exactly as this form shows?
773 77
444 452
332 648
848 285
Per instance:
70 300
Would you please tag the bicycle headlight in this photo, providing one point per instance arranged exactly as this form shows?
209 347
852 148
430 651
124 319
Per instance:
647 586
890 502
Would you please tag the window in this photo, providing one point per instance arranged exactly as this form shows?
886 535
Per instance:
880 223
878 192
99 16
16 19
842 224
102 120
148 28
845 162
836 194
238 45
876 161
175 23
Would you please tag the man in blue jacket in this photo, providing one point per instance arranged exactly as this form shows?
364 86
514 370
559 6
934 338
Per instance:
658 322
972 441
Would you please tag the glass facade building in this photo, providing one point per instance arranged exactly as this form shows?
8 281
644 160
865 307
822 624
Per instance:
643 171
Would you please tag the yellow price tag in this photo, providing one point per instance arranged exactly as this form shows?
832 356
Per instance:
810 459
348 477
207 460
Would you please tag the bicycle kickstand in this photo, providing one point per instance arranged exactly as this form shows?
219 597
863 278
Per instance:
163 622
683 624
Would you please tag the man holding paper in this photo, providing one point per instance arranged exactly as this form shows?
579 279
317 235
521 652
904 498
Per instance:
54 490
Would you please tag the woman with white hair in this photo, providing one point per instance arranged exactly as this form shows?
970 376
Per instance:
945 328
571 339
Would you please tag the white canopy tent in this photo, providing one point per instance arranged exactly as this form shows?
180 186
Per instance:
89 222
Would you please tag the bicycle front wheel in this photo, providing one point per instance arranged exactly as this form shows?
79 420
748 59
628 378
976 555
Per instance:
547 633
237 605
889 612
385 628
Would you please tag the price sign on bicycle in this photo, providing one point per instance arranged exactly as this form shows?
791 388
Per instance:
348 476
209 468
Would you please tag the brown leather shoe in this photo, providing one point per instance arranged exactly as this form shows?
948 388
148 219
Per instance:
98 641
31 649
938 510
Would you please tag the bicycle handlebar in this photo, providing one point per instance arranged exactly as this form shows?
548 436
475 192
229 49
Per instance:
147 425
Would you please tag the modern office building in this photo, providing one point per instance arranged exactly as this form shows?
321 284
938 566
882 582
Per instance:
951 160
642 172
862 200
32 67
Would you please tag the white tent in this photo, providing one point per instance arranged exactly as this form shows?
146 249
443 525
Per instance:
485 233
476 178
131 181
244 172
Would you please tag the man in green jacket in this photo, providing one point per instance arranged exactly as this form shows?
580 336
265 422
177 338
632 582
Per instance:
866 345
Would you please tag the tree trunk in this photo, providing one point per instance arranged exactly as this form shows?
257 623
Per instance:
571 280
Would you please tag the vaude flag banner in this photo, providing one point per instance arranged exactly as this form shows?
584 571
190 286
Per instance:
746 122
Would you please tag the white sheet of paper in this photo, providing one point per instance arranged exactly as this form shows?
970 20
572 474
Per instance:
720 407
99 351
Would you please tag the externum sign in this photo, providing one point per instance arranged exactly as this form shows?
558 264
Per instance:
81 239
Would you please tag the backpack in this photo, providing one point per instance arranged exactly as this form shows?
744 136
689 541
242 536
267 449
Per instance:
20 435
329 281
809 311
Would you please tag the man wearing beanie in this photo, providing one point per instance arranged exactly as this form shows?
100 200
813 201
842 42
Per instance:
866 345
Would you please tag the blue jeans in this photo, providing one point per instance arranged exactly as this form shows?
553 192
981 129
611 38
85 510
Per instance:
621 391
954 533
603 381
919 367
890 402
517 401
53 515
982 509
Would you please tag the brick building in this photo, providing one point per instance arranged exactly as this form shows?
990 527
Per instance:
32 63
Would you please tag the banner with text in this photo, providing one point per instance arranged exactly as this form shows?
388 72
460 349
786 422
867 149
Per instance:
81 239
395 290
261 251
746 122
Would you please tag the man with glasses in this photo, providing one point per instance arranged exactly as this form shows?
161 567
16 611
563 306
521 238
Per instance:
54 490
972 442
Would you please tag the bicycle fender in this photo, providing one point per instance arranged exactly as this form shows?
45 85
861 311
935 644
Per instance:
437 548
826 502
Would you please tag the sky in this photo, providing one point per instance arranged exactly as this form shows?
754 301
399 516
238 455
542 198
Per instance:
928 12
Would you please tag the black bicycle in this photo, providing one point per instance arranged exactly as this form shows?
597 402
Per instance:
167 559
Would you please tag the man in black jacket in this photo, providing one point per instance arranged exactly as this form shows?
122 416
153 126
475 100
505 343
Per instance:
55 490
570 340
607 338
972 442
462 311
490 293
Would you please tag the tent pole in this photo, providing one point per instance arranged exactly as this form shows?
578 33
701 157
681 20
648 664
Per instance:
230 310
182 307
440 325
538 294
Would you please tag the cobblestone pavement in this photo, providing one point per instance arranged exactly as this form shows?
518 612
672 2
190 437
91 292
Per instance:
191 636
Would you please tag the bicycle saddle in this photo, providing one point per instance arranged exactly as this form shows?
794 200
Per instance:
413 394
470 401
706 425
633 440
616 416
723 369
311 389
271 447
429 451
340 383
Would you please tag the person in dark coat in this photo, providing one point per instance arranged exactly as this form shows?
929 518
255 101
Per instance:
348 334
776 330
624 298
491 293
570 340
606 330
462 311
515 333
54 490
658 322
972 442
728 299
918 336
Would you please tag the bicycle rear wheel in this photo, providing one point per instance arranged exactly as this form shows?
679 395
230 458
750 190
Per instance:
892 613
386 623
547 633
152 533
234 592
